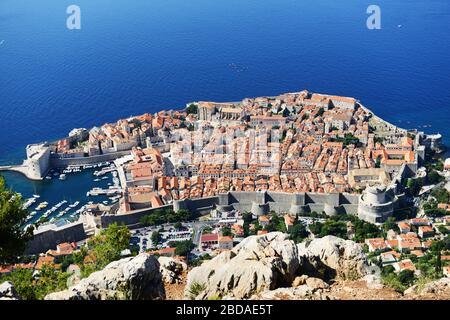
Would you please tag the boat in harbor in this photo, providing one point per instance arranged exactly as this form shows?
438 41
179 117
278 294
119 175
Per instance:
75 204
62 176
42 205
28 203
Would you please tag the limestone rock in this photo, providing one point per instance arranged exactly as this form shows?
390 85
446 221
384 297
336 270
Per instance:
136 278
440 287
298 281
8 292
331 257
171 269
316 283
374 281
256 264
411 290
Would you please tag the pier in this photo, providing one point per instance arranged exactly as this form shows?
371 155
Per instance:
22 168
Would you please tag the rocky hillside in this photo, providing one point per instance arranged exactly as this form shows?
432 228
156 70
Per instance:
134 278
261 267
273 267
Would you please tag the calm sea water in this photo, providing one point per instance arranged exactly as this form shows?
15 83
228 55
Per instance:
136 56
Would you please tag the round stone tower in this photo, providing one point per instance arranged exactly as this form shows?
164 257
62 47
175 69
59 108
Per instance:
375 205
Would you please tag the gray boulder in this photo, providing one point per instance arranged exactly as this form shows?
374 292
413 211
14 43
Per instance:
171 269
441 287
331 257
258 263
8 292
134 278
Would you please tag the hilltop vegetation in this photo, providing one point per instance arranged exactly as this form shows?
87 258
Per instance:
12 216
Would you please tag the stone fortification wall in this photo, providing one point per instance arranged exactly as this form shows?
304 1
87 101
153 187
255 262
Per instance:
50 238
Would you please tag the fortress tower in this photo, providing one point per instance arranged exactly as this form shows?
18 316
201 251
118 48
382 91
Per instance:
375 205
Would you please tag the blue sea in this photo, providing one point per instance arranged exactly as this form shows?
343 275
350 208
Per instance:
137 56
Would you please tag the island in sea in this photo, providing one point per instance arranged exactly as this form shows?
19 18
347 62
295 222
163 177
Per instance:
214 173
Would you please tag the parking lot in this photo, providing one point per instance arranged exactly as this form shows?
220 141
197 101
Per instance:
141 239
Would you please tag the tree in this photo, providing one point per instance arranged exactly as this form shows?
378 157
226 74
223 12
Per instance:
183 248
414 185
434 177
13 238
378 162
406 277
226 231
438 264
298 232
389 224
330 227
30 287
159 217
320 112
364 229
192 109
178 225
23 283
155 238
108 245
441 195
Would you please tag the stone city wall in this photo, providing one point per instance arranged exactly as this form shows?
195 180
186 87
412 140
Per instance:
56 162
259 203
49 239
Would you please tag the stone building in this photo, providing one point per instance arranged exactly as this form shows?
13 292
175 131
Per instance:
376 204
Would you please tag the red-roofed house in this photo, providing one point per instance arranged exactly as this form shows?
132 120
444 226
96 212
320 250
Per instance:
211 238
420 222
406 264
289 221
376 244
404 227
225 242
5 270
426 231
44 260
264 220
165 252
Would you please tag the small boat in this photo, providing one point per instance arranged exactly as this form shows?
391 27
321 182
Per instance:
62 177
96 180
48 178
36 196
73 205
28 203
